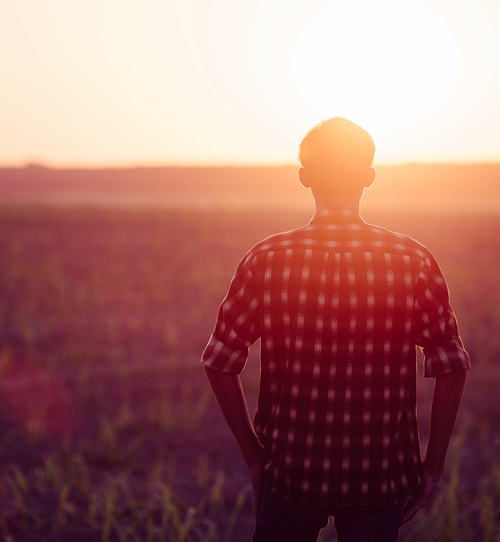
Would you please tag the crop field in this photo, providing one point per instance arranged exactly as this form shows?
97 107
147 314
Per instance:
108 429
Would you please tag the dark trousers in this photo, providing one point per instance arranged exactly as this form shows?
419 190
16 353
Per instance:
281 520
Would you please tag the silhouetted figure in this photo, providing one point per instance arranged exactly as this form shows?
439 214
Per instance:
339 306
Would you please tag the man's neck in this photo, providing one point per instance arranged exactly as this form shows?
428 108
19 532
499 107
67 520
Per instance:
336 203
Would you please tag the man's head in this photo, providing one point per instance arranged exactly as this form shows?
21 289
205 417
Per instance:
336 157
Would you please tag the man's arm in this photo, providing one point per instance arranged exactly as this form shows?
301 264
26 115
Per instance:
448 390
230 396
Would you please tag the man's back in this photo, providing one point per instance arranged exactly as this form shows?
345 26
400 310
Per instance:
339 306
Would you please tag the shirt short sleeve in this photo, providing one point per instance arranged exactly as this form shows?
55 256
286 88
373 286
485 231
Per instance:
435 325
237 325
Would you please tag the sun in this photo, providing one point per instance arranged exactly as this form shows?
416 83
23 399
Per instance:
383 64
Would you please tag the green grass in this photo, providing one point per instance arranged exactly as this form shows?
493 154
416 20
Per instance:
108 430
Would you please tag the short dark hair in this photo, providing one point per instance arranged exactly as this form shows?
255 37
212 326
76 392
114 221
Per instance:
337 144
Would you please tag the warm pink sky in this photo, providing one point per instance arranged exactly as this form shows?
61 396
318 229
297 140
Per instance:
93 82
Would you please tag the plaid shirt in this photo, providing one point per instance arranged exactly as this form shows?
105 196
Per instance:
339 306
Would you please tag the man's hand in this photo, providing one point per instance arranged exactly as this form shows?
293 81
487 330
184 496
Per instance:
448 391
255 466
231 399
428 485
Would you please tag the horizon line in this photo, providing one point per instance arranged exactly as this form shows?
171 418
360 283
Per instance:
221 165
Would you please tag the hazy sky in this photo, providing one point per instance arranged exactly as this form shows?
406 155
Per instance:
120 82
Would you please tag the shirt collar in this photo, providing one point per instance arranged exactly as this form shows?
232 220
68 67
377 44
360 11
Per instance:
336 215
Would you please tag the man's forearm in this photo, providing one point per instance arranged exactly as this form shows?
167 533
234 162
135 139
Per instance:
448 391
229 394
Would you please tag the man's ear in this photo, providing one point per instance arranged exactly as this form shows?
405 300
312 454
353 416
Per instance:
303 178
370 177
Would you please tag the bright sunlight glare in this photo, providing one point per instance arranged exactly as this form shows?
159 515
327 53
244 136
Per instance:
383 64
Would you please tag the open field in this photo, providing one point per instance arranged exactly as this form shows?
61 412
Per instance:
108 430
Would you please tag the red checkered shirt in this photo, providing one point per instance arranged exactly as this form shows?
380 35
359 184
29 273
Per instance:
339 306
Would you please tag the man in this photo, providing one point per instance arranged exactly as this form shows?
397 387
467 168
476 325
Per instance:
339 306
